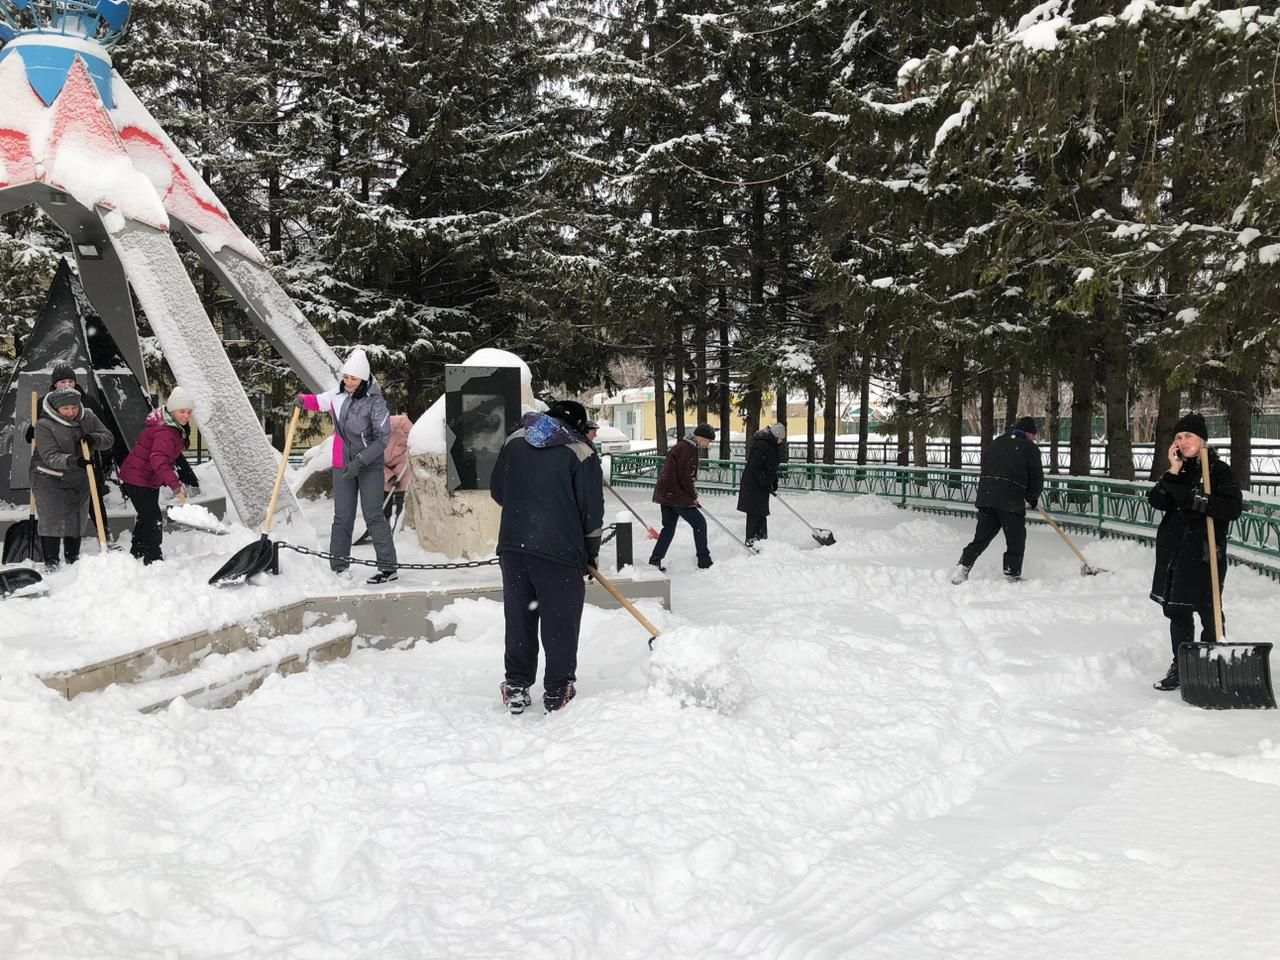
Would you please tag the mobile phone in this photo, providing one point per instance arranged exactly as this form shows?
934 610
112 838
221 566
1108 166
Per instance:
1178 454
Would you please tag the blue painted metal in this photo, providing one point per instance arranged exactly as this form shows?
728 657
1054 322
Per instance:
102 21
48 68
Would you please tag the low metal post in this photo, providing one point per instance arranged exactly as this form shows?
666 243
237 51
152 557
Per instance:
623 546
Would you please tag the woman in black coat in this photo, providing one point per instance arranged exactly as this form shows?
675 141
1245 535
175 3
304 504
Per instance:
759 479
1182 584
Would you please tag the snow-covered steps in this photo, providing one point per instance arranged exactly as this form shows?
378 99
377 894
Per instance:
215 667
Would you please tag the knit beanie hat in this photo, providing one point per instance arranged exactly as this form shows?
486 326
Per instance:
179 399
357 365
62 371
64 398
779 430
705 430
1192 423
1026 425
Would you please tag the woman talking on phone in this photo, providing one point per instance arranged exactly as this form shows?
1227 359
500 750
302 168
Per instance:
1182 584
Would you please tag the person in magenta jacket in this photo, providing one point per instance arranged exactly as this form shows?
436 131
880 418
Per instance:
361 431
150 466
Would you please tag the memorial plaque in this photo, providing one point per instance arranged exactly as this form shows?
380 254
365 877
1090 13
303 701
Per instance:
481 407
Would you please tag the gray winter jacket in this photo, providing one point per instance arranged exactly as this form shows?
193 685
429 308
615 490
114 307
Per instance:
60 484
361 424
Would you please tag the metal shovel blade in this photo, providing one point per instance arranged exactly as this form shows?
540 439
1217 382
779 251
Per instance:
824 537
21 582
1088 571
246 562
22 542
1226 676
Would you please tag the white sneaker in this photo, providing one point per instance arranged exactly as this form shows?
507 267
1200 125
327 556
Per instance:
960 574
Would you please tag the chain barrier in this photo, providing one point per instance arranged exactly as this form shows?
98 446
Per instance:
453 565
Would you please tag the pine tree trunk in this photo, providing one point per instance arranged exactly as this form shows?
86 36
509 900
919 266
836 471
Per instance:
1054 425
955 454
726 397
1116 380
864 405
700 369
1238 402
904 422
1168 410
1081 408
920 431
988 412
1012 396
659 374
830 392
677 367
780 404
811 423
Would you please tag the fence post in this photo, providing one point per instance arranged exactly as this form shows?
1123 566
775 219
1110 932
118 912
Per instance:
622 540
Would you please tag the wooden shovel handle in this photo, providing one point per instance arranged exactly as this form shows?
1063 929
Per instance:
35 401
93 493
1218 630
614 592
1065 539
609 487
284 462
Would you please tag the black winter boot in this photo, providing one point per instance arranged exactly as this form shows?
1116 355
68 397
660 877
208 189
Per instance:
553 700
1170 681
515 697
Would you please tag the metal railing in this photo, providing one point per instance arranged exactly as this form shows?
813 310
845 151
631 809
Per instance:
1105 508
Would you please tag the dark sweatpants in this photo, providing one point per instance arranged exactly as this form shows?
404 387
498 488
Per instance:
70 546
1182 625
538 590
991 522
148 531
692 516
757 527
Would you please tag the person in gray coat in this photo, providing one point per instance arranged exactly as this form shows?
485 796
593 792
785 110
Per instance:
361 429
58 477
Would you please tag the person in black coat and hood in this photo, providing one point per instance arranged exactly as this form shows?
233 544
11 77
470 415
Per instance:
1012 478
550 485
760 479
1182 583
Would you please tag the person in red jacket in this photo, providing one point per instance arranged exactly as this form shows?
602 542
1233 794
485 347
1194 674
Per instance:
150 466
677 494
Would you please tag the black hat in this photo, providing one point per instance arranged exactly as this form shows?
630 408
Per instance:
1026 425
705 430
62 371
570 412
1192 423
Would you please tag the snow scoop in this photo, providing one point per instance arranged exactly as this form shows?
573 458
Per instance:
21 540
193 516
1085 569
253 559
93 495
367 536
744 545
824 537
653 534
21 582
654 632
1220 675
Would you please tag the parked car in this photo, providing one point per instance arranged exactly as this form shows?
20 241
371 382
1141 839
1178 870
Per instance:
610 439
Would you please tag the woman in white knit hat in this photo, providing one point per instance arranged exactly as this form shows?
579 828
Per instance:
361 429
151 465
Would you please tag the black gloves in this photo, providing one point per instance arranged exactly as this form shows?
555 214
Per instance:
299 402
1200 502
352 468
186 476
81 462
31 432
774 488
592 545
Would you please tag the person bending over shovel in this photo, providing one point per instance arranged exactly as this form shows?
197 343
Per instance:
1012 478
760 479
676 492
1181 583
152 464
58 477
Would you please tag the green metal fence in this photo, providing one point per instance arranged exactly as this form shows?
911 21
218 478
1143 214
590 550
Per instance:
1104 508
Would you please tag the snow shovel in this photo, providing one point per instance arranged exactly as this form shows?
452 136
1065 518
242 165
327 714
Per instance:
22 540
824 537
653 534
367 536
253 559
21 582
743 544
1220 675
199 518
1085 569
93 494
654 632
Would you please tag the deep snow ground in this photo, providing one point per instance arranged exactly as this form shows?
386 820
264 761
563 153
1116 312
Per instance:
832 753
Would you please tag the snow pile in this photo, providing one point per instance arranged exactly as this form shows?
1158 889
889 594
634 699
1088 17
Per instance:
428 433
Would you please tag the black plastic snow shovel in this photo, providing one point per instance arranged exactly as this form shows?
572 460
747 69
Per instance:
253 559
1085 569
824 537
654 632
22 539
653 534
742 543
1223 676
21 582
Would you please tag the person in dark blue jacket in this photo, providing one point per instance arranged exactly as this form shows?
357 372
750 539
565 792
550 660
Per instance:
549 484
1012 479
